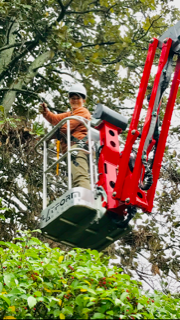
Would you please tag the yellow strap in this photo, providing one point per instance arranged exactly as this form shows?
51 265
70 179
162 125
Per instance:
58 151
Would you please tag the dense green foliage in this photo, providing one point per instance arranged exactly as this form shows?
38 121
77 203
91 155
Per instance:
45 45
39 282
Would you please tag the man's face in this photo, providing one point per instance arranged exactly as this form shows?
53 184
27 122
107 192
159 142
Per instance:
76 101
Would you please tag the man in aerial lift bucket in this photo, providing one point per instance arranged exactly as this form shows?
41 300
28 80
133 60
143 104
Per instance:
79 164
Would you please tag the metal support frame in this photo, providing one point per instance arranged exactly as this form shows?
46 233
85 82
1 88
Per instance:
44 175
69 155
90 158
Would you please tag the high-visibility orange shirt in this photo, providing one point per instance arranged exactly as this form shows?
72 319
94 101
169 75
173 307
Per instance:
78 130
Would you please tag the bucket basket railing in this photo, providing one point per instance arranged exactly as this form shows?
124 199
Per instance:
67 154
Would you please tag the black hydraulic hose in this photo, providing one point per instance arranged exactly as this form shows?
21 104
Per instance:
148 176
123 223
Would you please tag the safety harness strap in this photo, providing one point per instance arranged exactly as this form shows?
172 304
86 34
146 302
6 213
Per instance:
82 143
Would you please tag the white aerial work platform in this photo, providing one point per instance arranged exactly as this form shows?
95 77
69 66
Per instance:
78 217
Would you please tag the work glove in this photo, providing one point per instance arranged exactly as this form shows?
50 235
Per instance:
43 107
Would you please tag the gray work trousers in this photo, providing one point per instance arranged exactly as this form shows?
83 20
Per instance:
79 170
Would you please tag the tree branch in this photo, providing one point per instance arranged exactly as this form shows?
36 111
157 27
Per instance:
11 64
14 203
68 3
17 44
29 92
98 44
34 43
141 277
9 31
63 10
61 5
148 29
125 108
21 91
87 11
68 74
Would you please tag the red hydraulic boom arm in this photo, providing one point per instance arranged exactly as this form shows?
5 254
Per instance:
131 183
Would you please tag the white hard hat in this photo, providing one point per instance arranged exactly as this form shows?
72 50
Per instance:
78 88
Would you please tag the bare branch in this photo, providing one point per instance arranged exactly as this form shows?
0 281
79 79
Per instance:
142 278
144 273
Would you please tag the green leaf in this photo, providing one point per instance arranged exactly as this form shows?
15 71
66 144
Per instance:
33 242
56 313
98 315
85 310
17 291
37 230
140 306
111 312
95 253
80 300
124 276
3 243
78 44
3 297
2 109
9 279
68 310
38 294
105 306
26 6
123 296
118 302
31 301
75 284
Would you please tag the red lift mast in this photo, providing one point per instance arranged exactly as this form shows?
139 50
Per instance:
124 187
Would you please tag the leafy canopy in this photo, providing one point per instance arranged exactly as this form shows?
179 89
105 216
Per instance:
39 282
42 42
